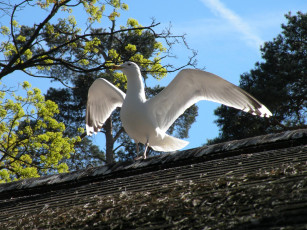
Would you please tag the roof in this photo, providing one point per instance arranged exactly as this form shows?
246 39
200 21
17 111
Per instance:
254 183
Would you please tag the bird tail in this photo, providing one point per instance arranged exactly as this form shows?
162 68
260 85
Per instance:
169 144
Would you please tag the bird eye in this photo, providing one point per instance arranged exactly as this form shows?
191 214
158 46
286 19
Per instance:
129 64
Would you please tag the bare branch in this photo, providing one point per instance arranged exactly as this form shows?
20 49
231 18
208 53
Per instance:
49 77
8 68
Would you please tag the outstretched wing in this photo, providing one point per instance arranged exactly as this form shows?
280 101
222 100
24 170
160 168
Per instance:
191 86
103 98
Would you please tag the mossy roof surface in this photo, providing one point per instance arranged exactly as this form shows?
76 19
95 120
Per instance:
265 189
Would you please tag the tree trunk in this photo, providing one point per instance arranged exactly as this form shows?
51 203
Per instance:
109 141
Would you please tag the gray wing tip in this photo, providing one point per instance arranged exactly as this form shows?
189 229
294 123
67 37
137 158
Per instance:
262 111
265 112
90 130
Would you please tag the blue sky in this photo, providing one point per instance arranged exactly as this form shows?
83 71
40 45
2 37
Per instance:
226 34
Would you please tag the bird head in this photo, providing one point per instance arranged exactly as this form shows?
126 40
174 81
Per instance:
128 68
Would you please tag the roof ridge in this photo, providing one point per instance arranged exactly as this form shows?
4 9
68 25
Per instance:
167 160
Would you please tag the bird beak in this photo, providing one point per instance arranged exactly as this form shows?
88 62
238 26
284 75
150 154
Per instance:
117 67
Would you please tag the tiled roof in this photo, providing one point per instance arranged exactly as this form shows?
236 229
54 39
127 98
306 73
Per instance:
258 183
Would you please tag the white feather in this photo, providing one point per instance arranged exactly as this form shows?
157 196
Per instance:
147 121
103 98
191 86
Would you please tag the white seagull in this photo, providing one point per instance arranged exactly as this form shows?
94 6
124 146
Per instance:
147 120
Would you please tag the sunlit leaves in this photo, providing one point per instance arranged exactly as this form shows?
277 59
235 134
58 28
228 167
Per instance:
114 15
153 67
130 48
31 139
49 28
15 24
91 46
84 62
8 49
120 80
72 20
46 63
133 23
21 38
28 54
117 4
113 55
54 46
46 3
4 30
124 6
95 12
62 40
159 46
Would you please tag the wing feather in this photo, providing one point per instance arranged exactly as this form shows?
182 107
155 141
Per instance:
103 98
191 86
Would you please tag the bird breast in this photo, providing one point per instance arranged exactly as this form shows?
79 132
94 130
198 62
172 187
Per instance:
137 121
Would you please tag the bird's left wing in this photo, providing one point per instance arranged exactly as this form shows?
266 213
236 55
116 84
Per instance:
191 86
103 98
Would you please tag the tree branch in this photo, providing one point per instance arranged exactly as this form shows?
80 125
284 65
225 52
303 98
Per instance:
8 68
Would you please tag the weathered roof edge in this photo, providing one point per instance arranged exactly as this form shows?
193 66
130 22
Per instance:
166 160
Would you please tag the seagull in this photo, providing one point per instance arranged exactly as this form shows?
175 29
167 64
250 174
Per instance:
147 120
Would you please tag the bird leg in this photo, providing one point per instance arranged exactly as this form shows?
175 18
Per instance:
137 152
146 147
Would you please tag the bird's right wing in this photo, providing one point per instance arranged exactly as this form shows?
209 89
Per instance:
191 86
103 98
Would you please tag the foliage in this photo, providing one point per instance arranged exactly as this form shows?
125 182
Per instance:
133 42
71 103
31 140
62 41
23 47
59 46
279 82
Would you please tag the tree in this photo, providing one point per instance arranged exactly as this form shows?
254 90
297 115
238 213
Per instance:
63 49
37 49
31 140
279 82
23 47
71 103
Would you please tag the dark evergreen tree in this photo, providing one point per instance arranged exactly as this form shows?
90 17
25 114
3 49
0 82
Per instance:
280 82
